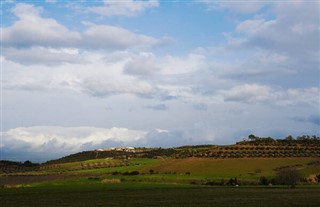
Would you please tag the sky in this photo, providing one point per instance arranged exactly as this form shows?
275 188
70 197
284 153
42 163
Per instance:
83 75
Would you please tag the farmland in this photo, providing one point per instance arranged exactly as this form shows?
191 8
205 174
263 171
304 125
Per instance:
183 176
96 194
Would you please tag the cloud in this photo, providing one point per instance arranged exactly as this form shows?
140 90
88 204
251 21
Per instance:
240 7
142 66
148 64
314 119
291 31
97 86
111 37
158 107
31 30
40 143
56 141
123 8
43 56
200 106
51 1
248 93
198 133
255 93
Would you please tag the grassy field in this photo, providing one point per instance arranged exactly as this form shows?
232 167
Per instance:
160 182
183 171
247 168
86 193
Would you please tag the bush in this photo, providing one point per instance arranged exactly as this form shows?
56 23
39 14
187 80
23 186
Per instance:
131 173
288 176
263 181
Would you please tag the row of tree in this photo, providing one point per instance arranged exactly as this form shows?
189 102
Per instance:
289 140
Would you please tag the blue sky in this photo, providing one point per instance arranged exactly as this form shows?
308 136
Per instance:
82 75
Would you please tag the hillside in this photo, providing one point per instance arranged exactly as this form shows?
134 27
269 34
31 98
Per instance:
253 147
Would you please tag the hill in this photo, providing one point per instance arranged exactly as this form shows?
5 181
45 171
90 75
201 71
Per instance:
251 158
253 147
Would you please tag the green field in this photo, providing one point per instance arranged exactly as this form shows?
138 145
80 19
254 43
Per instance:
91 193
248 168
183 171
160 182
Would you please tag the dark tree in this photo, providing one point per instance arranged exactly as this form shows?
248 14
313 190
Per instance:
251 137
263 181
288 176
289 138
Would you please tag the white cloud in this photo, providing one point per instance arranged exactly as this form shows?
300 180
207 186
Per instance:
123 8
248 93
111 37
168 65
55 140
43 56
291 31
31 30
146 64
86 73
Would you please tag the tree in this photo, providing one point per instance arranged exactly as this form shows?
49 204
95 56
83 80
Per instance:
288 176
251 137
263 181
28 163
317 178
289 138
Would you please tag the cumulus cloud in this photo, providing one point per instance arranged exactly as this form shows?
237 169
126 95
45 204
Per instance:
291 31
57 141
32 30
123 8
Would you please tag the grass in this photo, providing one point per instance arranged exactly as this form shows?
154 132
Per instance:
84 187
88 193
246 168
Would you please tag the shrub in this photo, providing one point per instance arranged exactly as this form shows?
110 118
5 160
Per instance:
263 181
288 176
131 173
